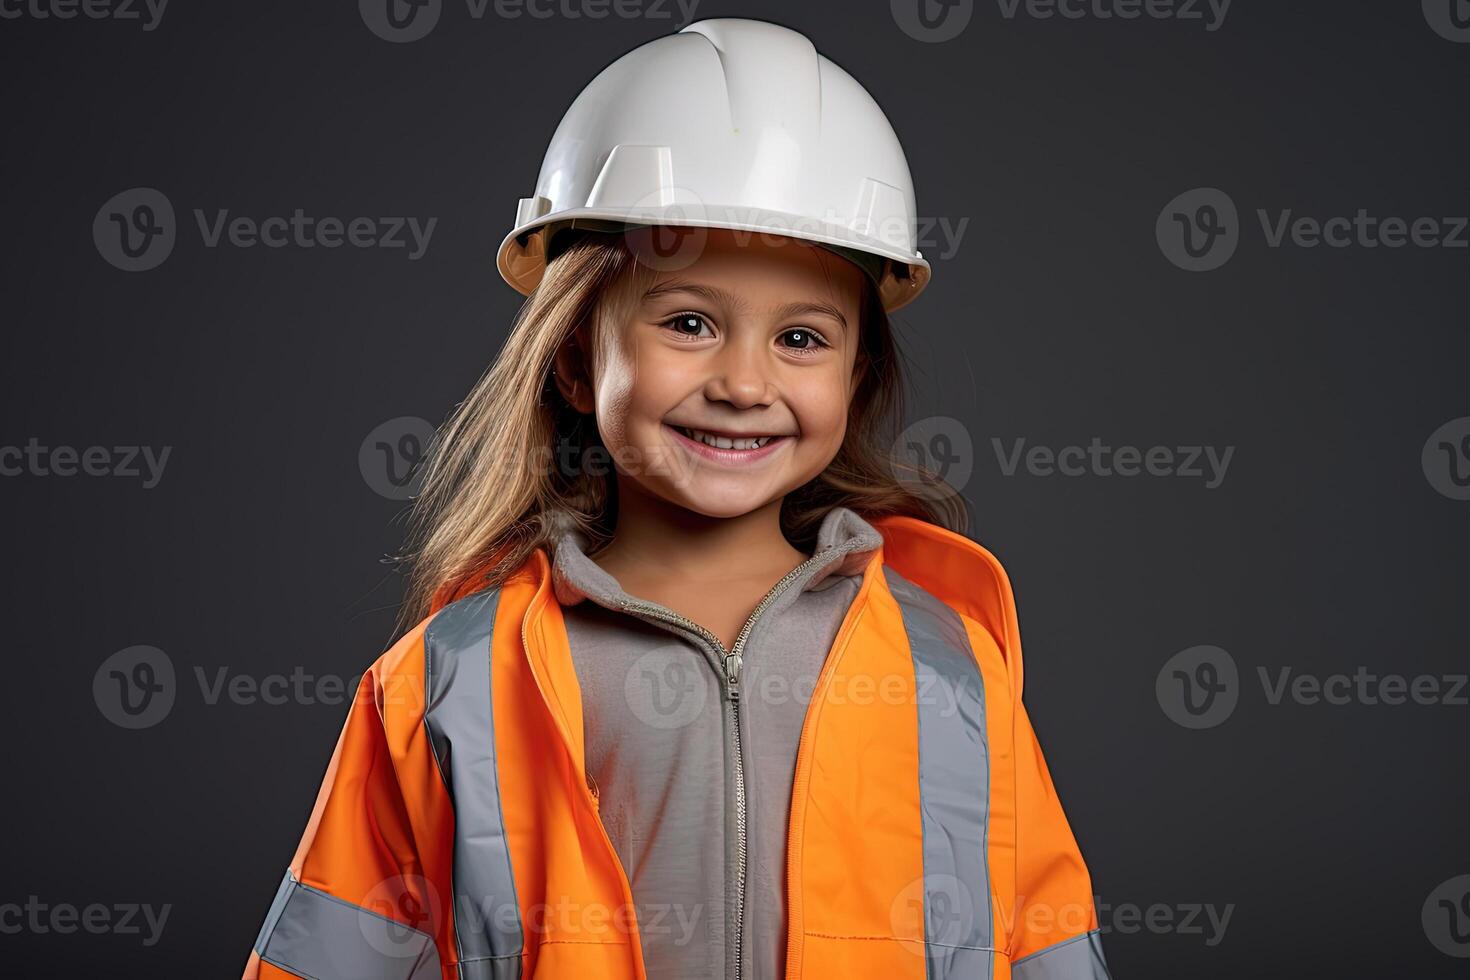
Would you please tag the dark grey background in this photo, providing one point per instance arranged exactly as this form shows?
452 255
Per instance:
1324 828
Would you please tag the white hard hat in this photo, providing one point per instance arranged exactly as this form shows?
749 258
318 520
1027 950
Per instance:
729 123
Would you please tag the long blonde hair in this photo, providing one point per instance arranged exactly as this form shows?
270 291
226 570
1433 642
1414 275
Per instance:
488 479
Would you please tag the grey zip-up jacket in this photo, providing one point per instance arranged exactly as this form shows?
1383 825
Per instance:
694 772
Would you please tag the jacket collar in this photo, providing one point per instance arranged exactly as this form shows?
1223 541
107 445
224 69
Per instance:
960 573
845 545
952 567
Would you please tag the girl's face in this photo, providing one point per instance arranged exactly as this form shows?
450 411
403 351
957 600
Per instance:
755 340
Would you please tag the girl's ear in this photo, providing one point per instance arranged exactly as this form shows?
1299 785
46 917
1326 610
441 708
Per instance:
573 380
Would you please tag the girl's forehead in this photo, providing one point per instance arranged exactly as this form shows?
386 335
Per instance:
762 264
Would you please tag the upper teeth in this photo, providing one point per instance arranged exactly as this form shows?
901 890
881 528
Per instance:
722 442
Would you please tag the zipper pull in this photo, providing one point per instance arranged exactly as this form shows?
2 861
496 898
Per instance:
732 674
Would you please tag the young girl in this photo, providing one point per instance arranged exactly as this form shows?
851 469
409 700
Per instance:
698 682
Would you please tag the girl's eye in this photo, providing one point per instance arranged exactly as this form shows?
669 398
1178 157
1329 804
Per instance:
687 324
800 338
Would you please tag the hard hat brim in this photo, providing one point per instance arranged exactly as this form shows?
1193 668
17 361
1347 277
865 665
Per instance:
521 258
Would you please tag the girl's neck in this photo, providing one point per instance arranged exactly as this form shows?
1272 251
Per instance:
656 541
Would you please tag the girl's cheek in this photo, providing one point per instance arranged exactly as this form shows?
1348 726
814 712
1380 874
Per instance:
823 415
615 391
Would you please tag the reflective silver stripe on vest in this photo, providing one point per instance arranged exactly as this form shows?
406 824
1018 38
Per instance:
309 933
1078 958
461 728
954 786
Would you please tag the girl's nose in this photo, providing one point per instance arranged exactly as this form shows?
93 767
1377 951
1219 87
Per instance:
740 379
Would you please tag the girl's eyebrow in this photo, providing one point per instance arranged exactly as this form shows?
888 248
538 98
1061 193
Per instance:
731 301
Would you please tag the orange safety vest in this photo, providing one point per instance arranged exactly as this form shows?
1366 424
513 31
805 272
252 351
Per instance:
456 836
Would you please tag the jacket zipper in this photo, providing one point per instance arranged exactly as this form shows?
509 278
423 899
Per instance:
732 661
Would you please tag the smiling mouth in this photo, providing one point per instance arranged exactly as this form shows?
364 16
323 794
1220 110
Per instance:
717 440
